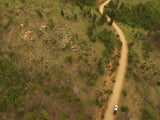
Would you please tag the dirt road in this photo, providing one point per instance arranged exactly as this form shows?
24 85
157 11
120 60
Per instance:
114 98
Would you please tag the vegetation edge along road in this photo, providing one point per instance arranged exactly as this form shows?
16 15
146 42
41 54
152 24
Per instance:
114 98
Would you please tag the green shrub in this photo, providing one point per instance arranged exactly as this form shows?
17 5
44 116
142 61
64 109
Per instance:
124 93
50 23
44 114
54 88
63 118
97 102
136 77
23 1
33 86
158 83
147 48
80 117
39 13
20 111
101 67
79 105
46 91
12 93
147 115
129 72
94 20
66 88
69 59
92 83
89 31
62 13
102 19
75 16
109 91
11 54
124 109
2 105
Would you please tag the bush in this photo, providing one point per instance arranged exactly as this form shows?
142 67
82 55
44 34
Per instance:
79 105
124 109
158 83
75 16
62 13
2 105
109 91
63 118
124 93
80 117
66 88
46 91
146 115
23 1
101 67
12 94
136 77
50 23
92 83
89 31
102 19
97 102
147 48
39 13
54 88
129 72
69 59
94 20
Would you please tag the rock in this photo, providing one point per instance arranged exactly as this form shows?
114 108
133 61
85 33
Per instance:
62 83
42 27
76 91
21 25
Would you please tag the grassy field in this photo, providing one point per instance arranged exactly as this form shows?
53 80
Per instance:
50 66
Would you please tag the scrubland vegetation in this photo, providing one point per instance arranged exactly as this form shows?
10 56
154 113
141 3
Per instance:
55 58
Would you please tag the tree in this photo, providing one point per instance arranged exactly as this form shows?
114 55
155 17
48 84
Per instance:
94 19
101 67
102 19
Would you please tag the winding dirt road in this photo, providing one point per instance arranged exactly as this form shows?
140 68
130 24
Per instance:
114 98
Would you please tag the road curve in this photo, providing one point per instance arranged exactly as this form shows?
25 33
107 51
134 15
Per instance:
114 98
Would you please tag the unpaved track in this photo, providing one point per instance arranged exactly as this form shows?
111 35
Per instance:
114 98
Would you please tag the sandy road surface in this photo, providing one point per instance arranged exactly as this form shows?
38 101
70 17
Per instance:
114 98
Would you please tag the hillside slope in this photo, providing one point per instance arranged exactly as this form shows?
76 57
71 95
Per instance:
57 60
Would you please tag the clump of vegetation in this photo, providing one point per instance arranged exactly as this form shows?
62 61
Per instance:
92 83
102 19
147 48
124 93
124 109
158 83
62 13
136 77
39 13
109 39
146 114
69 59
135 15
50 23
101 67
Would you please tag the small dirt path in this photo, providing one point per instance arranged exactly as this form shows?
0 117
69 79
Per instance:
114 98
